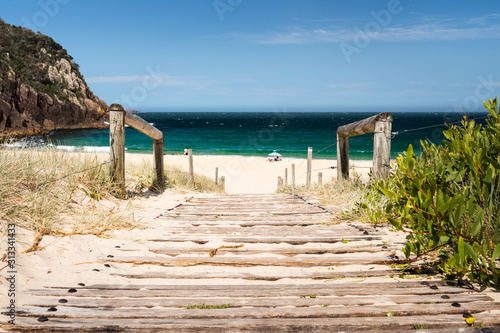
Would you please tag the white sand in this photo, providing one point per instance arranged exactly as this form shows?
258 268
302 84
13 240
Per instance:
255 174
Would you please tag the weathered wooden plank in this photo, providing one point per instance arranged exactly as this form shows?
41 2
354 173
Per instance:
274 286
260 232
260 302
379 324
287 252
215 217
249 262
249 292
246 203
379 310
231 222
262 277
252 212
269 240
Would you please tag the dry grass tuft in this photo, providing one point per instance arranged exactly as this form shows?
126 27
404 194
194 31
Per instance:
36 195
340 198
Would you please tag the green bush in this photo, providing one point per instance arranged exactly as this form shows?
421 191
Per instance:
447 200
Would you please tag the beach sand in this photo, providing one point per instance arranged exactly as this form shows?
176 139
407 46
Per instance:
255 174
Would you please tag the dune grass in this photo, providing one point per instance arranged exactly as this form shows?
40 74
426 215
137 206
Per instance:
35 193
341 198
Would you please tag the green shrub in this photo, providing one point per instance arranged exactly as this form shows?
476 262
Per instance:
447 199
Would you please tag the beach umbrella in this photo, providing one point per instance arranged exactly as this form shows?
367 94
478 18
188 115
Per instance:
274 154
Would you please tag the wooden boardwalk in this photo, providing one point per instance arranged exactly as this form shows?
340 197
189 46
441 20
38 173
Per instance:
265 263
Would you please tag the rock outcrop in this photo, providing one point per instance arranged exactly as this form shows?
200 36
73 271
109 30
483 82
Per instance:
43 90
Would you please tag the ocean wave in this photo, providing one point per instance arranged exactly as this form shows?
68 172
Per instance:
85 149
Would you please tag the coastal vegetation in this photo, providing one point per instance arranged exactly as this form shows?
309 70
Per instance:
447 200
45 192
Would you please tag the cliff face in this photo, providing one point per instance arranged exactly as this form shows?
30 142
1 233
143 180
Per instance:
41 88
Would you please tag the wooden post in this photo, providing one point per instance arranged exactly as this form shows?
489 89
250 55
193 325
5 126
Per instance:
280 182
216 176
382 148
158 157
320 178
286 176
309 165
117 146
293 178
191 169
342 158
222 182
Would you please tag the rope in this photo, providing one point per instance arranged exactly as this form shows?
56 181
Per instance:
56 180
433 126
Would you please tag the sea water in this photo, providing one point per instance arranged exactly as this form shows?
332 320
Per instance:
260 133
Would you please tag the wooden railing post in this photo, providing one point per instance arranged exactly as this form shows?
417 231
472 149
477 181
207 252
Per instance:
280 182
191 168
342 157
309 165
158 157
320 178
382 148
222 182
381 126
216 176
117 146
286 176
293 178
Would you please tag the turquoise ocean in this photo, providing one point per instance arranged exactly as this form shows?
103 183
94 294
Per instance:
260 133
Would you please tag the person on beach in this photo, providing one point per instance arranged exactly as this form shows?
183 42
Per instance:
185 151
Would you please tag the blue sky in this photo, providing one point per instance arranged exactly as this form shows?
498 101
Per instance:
277 53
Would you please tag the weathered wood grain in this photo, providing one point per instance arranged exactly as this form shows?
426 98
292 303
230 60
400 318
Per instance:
259 302
379 324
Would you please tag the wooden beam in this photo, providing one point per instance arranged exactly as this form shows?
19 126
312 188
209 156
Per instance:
363 126
143 126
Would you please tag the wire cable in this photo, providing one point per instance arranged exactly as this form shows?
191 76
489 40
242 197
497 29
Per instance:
56 180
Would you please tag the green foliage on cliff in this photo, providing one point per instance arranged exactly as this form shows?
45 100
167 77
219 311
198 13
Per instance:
29 55
448 200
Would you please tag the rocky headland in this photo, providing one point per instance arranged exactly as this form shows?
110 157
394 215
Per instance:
41 87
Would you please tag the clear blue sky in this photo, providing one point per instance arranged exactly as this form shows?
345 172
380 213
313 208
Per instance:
277 53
